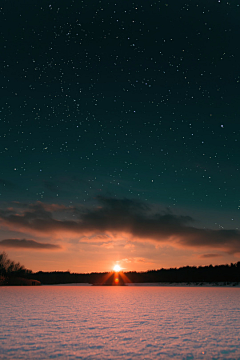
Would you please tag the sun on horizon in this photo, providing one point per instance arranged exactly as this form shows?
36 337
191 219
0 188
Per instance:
117 268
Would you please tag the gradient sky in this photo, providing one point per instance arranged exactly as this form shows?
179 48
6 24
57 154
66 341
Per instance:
119 136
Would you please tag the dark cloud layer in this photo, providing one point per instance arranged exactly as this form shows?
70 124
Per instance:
27 244
123 215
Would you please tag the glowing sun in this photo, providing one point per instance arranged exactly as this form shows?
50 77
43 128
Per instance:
117 268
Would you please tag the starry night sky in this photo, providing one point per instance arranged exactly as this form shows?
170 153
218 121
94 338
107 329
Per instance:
119 137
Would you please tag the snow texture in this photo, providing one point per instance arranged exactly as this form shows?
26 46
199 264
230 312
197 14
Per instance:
84 322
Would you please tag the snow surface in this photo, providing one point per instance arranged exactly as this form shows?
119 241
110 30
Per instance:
84 322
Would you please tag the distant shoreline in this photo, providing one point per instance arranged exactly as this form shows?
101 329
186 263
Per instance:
227 275
164 284
189 284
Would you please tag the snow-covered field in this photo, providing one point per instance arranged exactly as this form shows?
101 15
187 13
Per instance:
131 322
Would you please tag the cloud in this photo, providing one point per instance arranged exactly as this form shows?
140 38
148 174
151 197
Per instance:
50 207
206 256
226 240
27 244
129 246
137 260
126 216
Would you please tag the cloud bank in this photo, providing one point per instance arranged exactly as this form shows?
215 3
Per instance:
133 217
27 244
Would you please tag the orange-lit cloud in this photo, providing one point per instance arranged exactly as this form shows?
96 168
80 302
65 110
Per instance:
136 260
208 256
114 218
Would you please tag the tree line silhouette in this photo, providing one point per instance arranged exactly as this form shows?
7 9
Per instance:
201 274
187 274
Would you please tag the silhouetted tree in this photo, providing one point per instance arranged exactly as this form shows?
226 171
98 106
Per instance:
9 268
